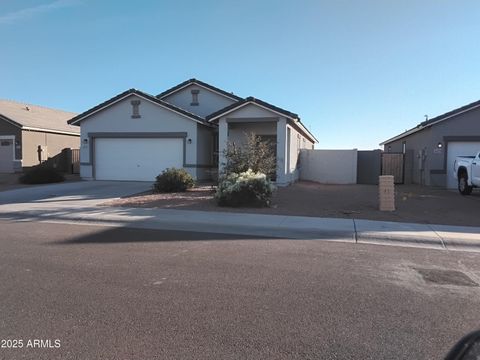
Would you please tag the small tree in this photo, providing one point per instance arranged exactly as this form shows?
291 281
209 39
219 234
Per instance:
256 154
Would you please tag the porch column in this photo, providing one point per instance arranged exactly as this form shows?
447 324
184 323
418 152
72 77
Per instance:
281 151
222 142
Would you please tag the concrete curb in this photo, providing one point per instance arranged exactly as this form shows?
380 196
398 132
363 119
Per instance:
440 237
274 226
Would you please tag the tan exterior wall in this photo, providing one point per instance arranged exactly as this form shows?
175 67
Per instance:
54 144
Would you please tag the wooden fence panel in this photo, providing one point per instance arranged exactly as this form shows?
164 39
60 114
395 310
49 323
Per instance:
394 164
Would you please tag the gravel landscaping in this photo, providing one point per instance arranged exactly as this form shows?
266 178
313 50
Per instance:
414 203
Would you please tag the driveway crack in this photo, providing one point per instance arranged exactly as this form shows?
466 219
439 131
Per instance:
439 236
355 231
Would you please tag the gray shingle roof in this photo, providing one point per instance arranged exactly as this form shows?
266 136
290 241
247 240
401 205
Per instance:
430 122
79 117
38 117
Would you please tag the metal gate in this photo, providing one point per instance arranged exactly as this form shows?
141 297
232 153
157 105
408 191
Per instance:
394 164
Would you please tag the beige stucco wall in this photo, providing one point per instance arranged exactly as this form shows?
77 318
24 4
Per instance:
54 144
329 166
295 143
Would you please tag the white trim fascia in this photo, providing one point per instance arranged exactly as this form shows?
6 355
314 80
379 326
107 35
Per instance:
29 128
414 130
312 137
249 103
197 84
144 98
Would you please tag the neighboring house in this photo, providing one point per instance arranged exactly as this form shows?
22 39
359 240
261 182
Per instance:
134 135
24 127
435 143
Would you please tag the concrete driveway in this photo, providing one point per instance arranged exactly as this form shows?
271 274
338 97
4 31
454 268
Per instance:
79 194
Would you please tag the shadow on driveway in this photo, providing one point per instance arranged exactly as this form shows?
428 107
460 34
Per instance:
137 235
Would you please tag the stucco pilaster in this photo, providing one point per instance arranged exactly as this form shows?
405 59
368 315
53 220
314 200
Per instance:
281 150
222 142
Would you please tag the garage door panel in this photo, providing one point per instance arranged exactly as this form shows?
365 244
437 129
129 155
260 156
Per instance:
458 148
136 159
6 155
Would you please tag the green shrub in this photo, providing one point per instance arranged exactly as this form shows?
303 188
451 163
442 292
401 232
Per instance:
41 174
173 180
245 189
255 154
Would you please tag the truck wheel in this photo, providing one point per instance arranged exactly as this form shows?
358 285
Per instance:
463 187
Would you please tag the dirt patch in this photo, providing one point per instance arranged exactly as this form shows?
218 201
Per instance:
414 203
198 198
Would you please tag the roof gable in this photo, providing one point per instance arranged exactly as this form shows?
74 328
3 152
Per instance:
199 83
251 100
265 106
77 119
198 100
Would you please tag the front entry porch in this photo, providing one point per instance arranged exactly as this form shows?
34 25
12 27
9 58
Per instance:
235 130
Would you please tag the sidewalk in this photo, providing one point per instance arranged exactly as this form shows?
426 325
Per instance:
277 226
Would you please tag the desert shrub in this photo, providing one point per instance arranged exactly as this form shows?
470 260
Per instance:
256 154
173 180
41 174
248 188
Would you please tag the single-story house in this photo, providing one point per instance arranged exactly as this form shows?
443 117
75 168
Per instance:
25 127
435 143
135 136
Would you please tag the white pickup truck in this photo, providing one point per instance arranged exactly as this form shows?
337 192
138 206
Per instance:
467 171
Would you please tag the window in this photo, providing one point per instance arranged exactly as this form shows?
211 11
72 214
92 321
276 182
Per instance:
404 147
194 97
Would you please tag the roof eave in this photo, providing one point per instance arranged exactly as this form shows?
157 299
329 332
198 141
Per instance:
79 118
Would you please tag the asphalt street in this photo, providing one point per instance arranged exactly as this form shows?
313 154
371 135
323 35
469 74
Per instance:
125 293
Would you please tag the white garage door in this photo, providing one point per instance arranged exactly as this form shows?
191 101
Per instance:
458 148
136 159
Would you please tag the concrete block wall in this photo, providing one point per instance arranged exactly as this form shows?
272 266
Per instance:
329 166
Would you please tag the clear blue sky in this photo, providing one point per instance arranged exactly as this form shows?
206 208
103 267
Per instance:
357 72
